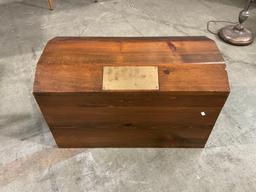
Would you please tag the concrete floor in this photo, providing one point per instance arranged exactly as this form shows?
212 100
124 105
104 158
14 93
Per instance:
29 159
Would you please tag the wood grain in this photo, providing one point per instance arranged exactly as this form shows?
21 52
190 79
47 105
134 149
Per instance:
192 80
75 64
131 137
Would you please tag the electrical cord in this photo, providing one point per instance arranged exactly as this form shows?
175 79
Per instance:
214 21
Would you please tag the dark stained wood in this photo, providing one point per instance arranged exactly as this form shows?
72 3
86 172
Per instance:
75 64
131 137
153 99
192 79
80 116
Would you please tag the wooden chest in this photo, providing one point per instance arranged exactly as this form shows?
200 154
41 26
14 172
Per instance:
131 92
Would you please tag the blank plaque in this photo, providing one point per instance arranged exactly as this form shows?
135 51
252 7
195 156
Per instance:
130 78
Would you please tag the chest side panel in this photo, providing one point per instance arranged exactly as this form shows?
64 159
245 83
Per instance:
167 121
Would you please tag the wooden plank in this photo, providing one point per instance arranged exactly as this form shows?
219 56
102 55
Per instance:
131 137
138 116
190 78
139 99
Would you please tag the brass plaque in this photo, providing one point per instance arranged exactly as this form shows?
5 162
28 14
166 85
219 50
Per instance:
130 78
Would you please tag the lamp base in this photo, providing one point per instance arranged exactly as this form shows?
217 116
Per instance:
236 35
